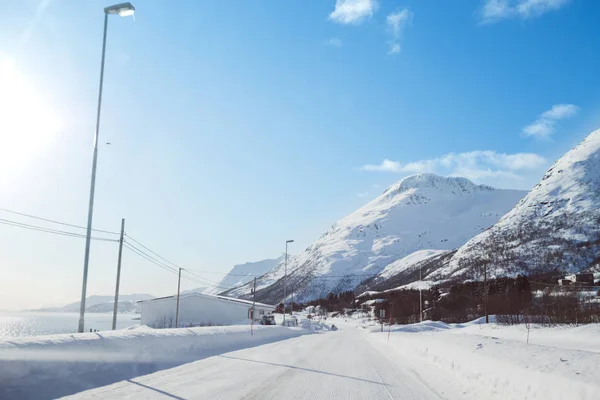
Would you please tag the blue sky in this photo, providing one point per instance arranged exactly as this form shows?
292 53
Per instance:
237 125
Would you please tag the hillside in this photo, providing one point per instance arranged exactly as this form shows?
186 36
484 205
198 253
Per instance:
244 273
195 290
419 212
555 227
97 303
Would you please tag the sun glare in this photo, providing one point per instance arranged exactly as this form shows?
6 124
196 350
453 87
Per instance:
27 125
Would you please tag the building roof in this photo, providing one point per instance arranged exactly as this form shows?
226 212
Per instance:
215 297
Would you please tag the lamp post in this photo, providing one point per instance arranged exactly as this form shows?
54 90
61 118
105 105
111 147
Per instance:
123 10
285 278
420 295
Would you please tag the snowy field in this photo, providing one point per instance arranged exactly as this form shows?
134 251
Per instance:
430 360
47 367
495 361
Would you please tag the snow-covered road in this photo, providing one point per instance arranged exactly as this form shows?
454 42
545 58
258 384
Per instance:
330 365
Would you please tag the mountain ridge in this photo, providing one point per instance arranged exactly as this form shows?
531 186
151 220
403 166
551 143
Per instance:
554 227
419 212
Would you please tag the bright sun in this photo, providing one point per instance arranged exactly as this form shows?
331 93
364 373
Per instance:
26 123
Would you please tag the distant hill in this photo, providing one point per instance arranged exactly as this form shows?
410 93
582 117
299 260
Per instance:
196 290
103 303
243 273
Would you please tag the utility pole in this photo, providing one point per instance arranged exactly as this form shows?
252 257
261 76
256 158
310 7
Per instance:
485 292
285 278
177 311
114 325
420 296
253 306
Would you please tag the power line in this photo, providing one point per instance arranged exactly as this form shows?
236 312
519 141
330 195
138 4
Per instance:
224 273
48 230
152 260
156 254
172 264
213 283
56 222
203 280
148 257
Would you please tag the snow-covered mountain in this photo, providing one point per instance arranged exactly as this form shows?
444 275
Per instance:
244 273
96 303
201 289
555 227
419 212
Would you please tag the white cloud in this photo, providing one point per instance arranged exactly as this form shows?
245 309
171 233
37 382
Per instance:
335 42
353 11
375 186
385 166
396 22
394 48
528 8
496 10
546 123
560 111
362 194
480 166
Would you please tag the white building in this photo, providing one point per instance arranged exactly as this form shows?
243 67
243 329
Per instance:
197 309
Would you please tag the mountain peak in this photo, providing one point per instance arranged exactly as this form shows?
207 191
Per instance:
554 227
436 182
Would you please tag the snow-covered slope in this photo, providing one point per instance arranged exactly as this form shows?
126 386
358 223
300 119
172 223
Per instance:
195 290
244 273
97 303
556 226
402 264
419 212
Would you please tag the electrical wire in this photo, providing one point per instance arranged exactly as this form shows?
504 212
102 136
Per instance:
160 264
56 222
52 231
156 254
198 278
149 258
213 283
222 273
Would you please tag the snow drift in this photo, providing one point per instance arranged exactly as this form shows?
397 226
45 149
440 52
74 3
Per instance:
46 367
495 362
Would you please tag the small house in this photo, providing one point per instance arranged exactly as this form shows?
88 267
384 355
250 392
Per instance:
198 309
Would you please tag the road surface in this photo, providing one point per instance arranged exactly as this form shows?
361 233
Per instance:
332 365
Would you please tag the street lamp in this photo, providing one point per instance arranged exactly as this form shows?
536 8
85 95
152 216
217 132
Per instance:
420 295
285 279
123 10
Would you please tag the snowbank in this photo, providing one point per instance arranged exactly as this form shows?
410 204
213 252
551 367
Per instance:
45 367
495 361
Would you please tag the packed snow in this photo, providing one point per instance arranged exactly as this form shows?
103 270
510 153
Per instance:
429 360
495 362
47 367
331 364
